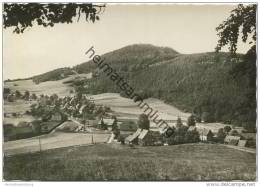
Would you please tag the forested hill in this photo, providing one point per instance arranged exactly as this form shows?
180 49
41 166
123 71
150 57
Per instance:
207 83
132 57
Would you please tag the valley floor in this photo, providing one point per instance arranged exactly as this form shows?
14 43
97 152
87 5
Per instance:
202 162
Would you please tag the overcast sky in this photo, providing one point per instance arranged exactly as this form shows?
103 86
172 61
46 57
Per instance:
185 28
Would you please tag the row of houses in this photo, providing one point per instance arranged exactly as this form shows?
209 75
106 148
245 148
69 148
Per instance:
144 137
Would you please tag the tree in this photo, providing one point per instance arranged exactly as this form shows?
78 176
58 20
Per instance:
249 128
10 98
36 126
24 15
244 18
114 125
18 94
143 122
227 129
207 117
191 120
192 136
26 95
234 132
103 125
7 91
115 128
179 123
221 135
34 96
169 132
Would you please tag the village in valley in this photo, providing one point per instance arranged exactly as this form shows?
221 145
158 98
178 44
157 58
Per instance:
79 113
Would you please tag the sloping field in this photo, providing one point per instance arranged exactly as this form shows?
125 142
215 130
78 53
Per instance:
52 141
206 162
124 105
49 87
127 109
18 107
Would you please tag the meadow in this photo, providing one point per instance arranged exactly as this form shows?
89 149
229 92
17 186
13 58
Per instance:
187 162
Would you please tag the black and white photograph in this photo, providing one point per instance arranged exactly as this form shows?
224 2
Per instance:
103 91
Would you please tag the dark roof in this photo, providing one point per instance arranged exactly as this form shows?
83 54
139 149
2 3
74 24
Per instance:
143 134
132 137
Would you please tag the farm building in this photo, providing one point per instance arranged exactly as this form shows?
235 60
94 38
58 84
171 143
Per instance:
133 139
91 123
83 109
249 136
108 121
192 128
148 138
242 143
127 126
205 134
70 126
232 140
144 137
57 116
23 124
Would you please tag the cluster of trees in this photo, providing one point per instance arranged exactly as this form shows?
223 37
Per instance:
175 135
24 15
12 96
182 133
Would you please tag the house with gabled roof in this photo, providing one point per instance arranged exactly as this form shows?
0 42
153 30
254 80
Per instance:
205 134
133 138
148 138
231 140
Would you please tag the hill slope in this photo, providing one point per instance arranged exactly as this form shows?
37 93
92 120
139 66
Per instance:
201 83
187 162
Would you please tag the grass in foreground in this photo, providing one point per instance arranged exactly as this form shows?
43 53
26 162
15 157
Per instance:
117 162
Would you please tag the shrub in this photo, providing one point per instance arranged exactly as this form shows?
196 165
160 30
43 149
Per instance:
10 98
179 139
192 136
198 118
143 122
233 132
191 120
221 135
179 123
18 94
250 127
227 129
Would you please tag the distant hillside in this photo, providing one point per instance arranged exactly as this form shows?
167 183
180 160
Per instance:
53 75
201 83
132 57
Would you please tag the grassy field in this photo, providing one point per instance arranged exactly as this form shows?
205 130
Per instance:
49 87
187 162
